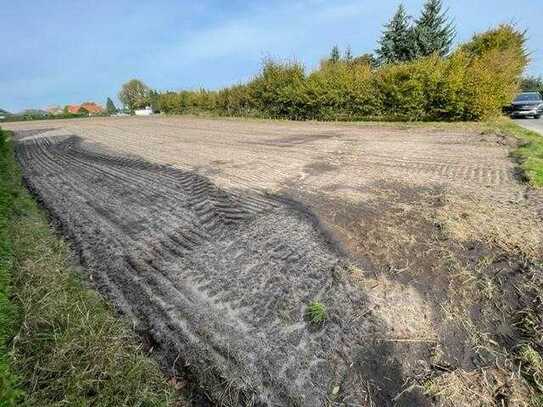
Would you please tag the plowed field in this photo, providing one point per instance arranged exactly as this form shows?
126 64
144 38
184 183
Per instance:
213 236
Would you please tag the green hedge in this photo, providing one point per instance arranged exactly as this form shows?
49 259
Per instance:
472 83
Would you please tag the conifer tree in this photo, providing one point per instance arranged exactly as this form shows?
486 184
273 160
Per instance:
434 31
110 107
348 56
397 43
334 54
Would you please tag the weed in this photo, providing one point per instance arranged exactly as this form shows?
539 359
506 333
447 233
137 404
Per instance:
532 365
316 312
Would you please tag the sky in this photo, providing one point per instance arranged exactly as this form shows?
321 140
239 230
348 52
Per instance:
56 52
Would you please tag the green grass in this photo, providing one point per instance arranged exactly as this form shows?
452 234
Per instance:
10 394
63 340
532 365
316 312
530 151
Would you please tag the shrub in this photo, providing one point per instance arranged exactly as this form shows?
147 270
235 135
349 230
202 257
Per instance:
473 83
278 90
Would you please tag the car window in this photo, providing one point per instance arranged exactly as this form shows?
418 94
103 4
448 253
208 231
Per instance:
525 97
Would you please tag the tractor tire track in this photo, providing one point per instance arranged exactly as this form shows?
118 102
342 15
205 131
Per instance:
218 280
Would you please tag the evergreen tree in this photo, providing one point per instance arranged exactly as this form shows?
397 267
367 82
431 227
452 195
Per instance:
397 43
335 56
348 57
110 107
434 31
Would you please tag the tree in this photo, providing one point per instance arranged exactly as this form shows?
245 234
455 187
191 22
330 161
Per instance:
532 83
348 56
110 107
154 97
397 43
134 94
434 32
334 54
366 59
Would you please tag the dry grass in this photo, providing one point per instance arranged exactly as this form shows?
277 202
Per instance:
511 227
482 387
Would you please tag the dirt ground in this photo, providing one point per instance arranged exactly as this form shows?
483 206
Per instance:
213 237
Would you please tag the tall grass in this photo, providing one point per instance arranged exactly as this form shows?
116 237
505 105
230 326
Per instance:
10 394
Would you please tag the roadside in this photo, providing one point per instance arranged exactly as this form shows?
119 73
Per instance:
530 150
531 124
66 345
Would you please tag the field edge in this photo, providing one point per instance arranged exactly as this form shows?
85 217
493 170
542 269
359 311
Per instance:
60 342
528 154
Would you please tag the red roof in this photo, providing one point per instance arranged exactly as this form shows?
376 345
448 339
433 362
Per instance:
91 107
73 108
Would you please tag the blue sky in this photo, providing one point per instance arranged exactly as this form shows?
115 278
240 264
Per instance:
59 52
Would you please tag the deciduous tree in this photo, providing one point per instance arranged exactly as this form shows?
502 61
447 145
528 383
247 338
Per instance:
135 94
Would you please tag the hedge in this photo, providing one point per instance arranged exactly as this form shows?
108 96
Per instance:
474 82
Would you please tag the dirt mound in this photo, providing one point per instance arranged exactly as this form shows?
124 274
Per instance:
219 282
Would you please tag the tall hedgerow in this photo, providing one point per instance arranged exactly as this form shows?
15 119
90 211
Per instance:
497 59
278 90
473 82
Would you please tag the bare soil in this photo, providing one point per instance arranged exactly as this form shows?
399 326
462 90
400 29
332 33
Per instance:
213 236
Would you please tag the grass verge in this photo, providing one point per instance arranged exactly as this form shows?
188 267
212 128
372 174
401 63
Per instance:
63 340
530 151
10 394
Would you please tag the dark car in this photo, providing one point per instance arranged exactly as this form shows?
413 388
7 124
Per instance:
527 104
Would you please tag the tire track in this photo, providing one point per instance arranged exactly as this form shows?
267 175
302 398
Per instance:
219 280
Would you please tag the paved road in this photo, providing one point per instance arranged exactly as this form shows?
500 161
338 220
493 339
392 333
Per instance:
532 124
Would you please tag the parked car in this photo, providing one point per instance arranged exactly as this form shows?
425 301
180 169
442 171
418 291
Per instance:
527 104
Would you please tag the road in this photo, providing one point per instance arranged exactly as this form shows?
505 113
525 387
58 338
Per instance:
532 124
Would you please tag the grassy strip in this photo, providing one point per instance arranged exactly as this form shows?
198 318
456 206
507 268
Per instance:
530 151
9 392
70 348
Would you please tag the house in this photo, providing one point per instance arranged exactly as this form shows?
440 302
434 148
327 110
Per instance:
144 112
92 108
88 107
74 109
